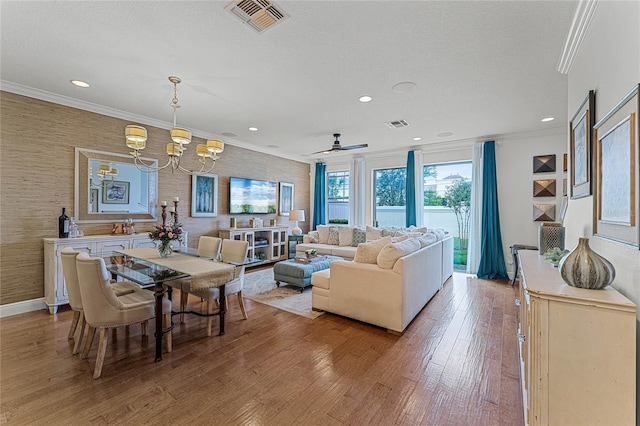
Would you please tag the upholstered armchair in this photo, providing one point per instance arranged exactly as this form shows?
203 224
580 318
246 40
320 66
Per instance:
104 310
75 299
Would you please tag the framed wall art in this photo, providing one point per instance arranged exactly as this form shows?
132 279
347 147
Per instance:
544 212
544 188
115 192
581 147
617 197
544 163
204 195
286 198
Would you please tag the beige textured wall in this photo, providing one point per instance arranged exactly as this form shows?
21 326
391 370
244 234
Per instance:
37 145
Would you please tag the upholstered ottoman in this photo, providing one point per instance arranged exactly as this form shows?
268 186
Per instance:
298 273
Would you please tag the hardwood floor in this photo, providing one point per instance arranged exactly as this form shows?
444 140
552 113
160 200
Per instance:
456 364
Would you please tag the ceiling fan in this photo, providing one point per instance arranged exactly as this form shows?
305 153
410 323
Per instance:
337 147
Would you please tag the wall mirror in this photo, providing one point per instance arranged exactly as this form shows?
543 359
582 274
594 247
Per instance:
110 188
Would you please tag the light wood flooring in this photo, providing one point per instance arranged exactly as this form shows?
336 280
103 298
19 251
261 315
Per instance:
456 364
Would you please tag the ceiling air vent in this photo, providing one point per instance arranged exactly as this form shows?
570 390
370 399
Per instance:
258 15
396 124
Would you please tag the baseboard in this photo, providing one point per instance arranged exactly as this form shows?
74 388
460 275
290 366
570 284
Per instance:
22 307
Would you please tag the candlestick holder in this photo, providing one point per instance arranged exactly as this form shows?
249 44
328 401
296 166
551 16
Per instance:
175 213
164 215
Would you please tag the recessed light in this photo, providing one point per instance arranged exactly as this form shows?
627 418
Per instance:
229 134
273 146
444 134
544 120
417 138
365 98
253 129
80 83
404 87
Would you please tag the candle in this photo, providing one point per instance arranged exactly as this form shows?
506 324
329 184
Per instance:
163 203
172 209
176 199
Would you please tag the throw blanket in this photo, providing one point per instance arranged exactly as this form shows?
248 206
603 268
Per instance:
203 273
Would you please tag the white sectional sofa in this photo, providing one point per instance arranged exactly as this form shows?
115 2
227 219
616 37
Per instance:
389 297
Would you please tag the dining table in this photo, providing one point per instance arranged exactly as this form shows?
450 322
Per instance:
145 267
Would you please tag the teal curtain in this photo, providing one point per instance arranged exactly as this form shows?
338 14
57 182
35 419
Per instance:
492 265
320 196
410 187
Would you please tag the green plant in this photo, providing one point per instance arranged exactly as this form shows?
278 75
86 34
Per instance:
339 221
554 254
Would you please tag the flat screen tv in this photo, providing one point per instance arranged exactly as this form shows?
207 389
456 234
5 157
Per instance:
252 196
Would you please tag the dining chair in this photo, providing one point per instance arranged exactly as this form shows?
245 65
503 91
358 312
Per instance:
75 299
208 247
232 251
104 310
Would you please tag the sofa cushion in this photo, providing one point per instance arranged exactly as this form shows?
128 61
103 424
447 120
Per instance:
344 252
368 252
314 237
359 236
323 234
320 248
394 251
346 235
321 279
334 236
427 239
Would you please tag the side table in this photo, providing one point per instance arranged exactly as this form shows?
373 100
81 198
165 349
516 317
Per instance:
294 239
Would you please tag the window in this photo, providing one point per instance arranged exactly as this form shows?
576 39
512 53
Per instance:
338 196
447 203
390 197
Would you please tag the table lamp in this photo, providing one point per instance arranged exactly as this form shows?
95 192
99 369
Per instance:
296 215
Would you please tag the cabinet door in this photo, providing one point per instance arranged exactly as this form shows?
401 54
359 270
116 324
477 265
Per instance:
143 243
113 244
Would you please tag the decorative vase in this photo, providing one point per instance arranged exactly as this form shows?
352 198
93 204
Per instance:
165 249
584 268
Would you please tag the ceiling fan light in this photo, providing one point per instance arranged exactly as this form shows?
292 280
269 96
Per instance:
214 145
180 135
134 135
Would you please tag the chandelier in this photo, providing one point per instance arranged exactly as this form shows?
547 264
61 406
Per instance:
105 171
136 139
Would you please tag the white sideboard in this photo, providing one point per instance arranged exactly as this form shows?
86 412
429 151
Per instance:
55 291
267 244
577 350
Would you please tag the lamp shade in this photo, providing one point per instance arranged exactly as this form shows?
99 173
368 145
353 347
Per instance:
214 145
135 135
297 215
180 135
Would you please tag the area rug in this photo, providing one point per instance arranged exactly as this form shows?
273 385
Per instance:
260 287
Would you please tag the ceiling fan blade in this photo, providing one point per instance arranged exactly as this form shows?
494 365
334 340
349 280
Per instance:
362 145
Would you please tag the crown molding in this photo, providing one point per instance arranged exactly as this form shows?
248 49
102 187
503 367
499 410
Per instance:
581 20
43 95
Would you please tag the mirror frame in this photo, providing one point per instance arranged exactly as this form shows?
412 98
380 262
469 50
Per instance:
81 190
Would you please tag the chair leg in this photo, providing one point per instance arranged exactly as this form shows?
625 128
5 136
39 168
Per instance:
102 350
209 318
79 333
87 346
144 325
184 298
74 324
241 303
168 337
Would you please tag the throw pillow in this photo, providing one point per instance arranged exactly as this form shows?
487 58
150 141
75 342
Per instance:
334 236
323 234
368 252
346 235
373 233
439 233
389 232
314 237
394 251
359 236
427 239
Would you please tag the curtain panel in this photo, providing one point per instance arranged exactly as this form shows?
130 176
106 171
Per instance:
320 196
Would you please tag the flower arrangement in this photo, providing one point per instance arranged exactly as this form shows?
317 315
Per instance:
554 255
310 252
164 235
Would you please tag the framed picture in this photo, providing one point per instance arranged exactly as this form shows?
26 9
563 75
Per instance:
544 163
115 192
617 197
286 198
544 188
581 147
544 212
204 195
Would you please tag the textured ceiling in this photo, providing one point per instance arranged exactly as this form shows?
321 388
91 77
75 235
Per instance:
482 68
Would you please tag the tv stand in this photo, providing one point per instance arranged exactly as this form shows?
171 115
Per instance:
276 238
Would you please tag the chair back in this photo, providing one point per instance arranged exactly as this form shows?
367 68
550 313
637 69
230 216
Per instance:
234 250
71 277
101 305
209 246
